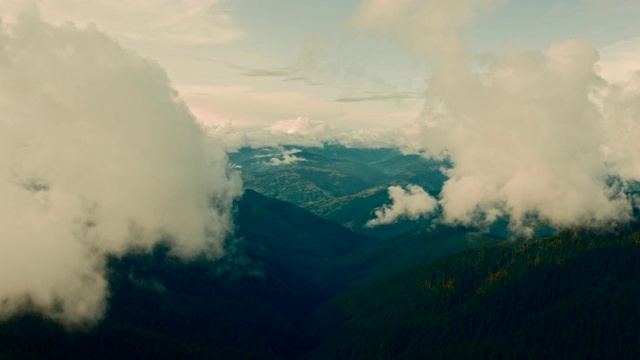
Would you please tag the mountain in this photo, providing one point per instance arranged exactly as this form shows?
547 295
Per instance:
305 177
342 184
295 239
573 295
386 258
246 305
294 285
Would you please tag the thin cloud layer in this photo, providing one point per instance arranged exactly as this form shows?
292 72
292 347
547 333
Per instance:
97 157
530 134
618 62
412 203
188 22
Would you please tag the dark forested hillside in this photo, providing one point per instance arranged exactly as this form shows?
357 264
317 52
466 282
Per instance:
574 295
389 257
294 285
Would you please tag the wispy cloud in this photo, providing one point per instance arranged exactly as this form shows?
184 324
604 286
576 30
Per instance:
618 62
381 97
158 21
267 72
250 107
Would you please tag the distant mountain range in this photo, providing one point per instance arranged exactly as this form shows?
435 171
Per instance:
342 184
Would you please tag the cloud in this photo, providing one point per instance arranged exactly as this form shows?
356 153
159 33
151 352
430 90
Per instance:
412 203
300 131
301 126
620 104
533 135
619 62
303 131
429 28
391 96
250 107
266 72
198 22
98 156
316 62
287 156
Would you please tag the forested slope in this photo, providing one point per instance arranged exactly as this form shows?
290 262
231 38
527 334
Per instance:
574 295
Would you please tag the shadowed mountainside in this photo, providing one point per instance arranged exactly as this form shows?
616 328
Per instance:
294 285
246 305
573 295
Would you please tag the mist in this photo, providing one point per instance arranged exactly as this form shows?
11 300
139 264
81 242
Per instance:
537 136
98 157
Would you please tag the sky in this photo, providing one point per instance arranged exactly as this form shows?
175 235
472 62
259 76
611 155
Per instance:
256 62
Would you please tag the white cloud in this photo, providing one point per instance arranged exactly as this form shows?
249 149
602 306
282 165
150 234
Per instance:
618 62
161 21
287 156
523 128
300 131
412 203
249 107
621 109
429 28
97 156
303 131
299 125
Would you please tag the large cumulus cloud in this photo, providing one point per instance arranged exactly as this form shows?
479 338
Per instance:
534 135
97 156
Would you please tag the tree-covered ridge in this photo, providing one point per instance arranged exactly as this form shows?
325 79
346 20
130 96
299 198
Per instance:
571 295
574 295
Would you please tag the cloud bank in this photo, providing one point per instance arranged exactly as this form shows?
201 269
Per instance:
302 131
412 203
97 157
535 135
